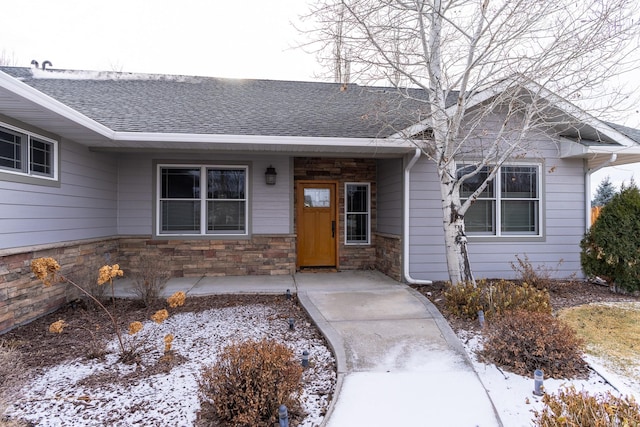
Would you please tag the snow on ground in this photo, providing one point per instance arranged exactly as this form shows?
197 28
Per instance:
63 395
513 396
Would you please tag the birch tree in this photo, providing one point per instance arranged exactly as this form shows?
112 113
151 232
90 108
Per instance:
472 61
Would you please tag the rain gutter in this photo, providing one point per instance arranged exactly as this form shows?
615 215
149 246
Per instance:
406 204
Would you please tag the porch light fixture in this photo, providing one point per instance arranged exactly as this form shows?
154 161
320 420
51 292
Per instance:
270 175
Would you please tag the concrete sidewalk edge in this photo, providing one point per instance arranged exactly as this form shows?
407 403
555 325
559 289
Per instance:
335 342
453 340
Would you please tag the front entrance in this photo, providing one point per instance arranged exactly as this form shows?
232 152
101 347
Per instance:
316 219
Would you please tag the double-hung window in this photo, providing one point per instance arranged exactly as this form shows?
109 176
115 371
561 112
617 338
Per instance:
202 200
357 214
508 206
24 153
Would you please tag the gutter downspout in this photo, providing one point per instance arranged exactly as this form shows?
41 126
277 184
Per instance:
405 208
587 187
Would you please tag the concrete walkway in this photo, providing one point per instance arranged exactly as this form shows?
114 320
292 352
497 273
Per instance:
398 361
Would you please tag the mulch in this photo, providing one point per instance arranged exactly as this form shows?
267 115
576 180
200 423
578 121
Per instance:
87 323
43 349
562 294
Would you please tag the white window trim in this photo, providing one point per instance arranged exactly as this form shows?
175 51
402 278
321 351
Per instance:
368 213
497 199
203 200
27 161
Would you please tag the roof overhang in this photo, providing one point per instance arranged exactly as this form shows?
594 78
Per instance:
23 103
599 154
360 147
581 135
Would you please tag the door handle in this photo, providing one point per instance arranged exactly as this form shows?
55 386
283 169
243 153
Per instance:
333 229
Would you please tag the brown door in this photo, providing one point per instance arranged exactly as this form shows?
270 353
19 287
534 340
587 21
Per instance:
317 228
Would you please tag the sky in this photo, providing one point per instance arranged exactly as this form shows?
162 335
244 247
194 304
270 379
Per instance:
235 39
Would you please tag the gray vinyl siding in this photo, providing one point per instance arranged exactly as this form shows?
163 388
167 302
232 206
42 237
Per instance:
563 222
84 206
389 196
271 205
135 194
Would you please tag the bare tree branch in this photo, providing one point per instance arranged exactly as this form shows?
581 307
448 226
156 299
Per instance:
473 61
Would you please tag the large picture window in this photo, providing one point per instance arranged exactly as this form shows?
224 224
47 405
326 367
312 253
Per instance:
509 206
202 200
357 214
24 153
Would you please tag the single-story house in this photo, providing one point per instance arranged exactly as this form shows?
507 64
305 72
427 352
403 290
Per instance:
260 177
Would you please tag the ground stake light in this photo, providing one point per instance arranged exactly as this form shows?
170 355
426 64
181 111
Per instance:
538 380
481 318
291 323
283 416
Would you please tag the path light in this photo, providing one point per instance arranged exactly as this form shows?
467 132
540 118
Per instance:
305 359
288 293
538 379
283 416
481 318
270 175
291 323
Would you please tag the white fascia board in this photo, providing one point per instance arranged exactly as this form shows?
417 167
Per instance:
474 100
582 115
266 140
558 101
30 94
572 149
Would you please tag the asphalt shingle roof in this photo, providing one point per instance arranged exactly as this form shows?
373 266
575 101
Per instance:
205 105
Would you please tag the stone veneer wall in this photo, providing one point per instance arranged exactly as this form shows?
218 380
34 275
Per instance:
258 255
389 255
24 298
351 257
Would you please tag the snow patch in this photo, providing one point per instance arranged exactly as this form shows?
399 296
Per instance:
108 75
57 396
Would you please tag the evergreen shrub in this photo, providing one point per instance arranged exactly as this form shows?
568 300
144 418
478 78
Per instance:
611 247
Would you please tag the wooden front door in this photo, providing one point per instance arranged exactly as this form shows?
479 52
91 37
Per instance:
317 226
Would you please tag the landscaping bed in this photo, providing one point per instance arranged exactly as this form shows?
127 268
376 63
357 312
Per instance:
68 384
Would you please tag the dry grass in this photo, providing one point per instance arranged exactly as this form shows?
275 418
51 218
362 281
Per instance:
611 332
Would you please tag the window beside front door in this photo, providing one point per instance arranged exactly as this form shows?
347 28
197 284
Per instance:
357 213
509 206
202 200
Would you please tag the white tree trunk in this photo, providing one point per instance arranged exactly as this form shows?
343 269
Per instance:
460 51
455 239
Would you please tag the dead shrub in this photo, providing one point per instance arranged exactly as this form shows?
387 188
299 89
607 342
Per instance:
573 408
249 381
86 276
539 277
12 374
523 341
149 279
11 364
494 298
